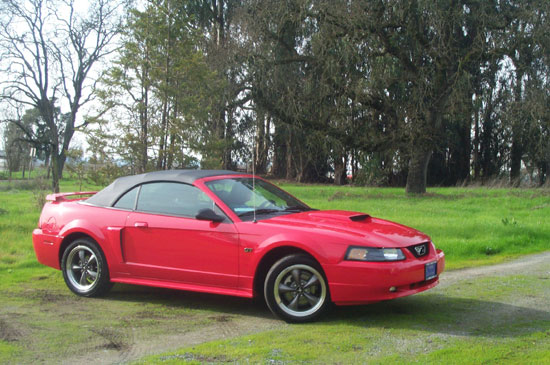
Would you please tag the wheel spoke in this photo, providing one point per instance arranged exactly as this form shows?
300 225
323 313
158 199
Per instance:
92 258
285 288
83 280
310 298
81 255
76 267
296 276
294 303
298 291
312 281
93 274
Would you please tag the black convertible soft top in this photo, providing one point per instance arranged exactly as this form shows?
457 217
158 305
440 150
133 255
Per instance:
108 196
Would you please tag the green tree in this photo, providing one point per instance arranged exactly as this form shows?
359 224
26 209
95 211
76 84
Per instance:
17 149
160 90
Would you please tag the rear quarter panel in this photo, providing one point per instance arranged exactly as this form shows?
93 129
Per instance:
60 221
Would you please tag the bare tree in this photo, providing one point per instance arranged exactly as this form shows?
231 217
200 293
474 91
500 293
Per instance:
48 49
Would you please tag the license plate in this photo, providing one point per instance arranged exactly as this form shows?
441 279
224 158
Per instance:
430 270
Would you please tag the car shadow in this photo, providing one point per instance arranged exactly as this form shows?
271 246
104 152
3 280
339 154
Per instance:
437 313
432 313
171 298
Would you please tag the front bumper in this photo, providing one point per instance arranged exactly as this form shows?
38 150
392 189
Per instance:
353 282
46 248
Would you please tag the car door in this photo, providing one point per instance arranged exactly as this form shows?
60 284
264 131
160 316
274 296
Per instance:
163 241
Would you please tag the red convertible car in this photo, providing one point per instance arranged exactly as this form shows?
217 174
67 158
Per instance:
224 232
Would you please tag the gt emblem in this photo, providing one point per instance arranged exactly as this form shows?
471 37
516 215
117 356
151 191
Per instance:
420 250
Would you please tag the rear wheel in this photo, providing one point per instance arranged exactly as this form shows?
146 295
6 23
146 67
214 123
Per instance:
85 269
296 290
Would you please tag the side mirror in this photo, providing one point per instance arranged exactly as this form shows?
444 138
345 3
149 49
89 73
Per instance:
209 215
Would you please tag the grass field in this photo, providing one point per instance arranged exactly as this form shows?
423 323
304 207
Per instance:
489 321
474 226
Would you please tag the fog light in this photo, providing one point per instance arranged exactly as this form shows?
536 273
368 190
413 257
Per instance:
393 289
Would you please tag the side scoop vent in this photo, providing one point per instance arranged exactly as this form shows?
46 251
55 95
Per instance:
359 217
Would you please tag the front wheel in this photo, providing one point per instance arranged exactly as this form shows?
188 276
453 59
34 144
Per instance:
85 269
296 290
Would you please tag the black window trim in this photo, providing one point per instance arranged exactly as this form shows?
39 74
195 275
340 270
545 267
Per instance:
228 219
133 209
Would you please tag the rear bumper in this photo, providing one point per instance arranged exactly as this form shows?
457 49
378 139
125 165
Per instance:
46 248
353 282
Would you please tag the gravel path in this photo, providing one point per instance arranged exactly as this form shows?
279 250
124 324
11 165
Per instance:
538 264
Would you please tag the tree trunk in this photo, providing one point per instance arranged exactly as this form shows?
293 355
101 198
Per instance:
418 170
543 172
227 161
290 173
161 161
463 151
142 160
171 148
280 139
340 170
262 145
170 152
516 153
144 115
476 145
61 163
143 157
55 170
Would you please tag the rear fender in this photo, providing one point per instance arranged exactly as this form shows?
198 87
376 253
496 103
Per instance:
82 226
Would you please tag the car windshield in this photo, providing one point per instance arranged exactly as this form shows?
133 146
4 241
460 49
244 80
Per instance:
262 198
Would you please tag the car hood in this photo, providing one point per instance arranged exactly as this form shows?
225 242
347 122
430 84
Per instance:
358 227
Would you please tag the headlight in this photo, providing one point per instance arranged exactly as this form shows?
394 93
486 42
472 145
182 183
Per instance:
374 254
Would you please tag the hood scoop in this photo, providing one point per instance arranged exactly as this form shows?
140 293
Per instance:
359 217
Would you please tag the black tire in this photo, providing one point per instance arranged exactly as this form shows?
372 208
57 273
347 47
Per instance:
85 268
296 289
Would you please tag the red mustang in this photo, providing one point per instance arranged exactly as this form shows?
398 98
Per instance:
224 232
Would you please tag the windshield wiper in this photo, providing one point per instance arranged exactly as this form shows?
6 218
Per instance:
296 208
259 211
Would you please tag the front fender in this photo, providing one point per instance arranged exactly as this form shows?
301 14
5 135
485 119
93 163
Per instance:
287 240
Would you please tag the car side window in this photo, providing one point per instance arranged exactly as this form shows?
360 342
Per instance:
174 199
128 200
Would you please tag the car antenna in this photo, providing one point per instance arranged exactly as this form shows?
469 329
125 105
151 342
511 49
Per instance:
254 170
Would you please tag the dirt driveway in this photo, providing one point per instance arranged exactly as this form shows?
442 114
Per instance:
52 326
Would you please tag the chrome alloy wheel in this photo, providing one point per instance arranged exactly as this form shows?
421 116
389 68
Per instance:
82 268
300 290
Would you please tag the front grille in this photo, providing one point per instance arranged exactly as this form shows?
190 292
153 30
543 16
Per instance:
420 250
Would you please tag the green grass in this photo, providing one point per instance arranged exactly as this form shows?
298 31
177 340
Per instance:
5 175
474 226
19 213
459 325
